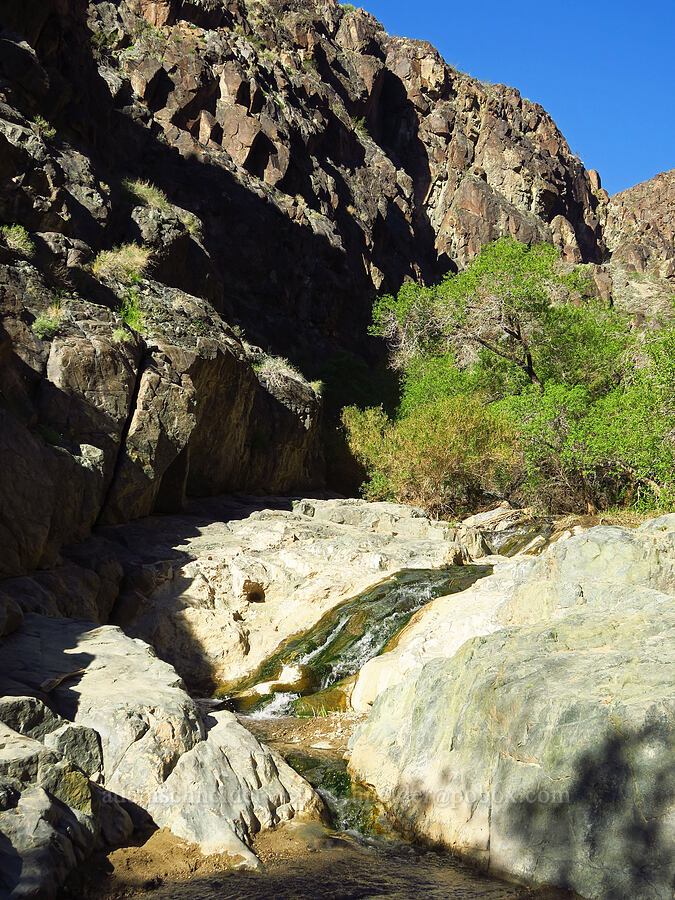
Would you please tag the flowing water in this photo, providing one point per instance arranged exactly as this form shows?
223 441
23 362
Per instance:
356 857
345 638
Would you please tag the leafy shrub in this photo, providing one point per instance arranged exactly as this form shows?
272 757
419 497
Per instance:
360 127
585 402
131 312
447 455
16 238
46 325
126 263
44 129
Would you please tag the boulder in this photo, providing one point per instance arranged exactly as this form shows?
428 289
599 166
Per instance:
438 630
542 751
97 736
50 813
576 569
100 678
228 788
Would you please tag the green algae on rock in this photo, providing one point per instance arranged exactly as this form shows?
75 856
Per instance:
349 635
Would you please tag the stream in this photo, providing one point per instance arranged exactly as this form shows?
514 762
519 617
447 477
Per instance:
358 854
309 673
296 703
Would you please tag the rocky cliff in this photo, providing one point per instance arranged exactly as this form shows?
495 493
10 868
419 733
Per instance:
189 188
639 232
278 163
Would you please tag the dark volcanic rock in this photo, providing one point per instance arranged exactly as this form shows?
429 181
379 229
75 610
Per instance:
101 423
325 158
304 160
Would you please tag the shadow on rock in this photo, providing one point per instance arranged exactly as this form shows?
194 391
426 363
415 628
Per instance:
613 818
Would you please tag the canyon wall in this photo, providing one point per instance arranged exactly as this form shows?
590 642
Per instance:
283 163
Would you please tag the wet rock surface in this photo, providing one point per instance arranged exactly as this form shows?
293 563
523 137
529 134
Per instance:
217 590
505 721
237 579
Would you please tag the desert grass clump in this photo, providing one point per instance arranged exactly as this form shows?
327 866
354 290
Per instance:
126 263
275 370
146 193
16 238
46 325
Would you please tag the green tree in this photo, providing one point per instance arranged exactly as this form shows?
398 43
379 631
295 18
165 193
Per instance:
583 399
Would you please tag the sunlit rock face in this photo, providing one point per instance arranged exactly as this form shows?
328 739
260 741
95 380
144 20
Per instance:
116 743
543 750
639 231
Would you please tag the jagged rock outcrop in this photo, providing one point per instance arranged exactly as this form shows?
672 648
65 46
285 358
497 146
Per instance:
98 735
640 227
639 232
316 149
543 751
404 166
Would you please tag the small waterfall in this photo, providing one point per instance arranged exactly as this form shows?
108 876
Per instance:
344 640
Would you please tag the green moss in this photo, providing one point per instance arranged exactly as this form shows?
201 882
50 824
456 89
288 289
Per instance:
380 611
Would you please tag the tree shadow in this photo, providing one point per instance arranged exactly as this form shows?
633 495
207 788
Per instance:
613 818
604 831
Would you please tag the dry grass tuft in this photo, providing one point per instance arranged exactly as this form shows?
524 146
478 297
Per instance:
126 263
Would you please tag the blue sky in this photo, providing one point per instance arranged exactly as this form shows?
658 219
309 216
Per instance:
604 70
